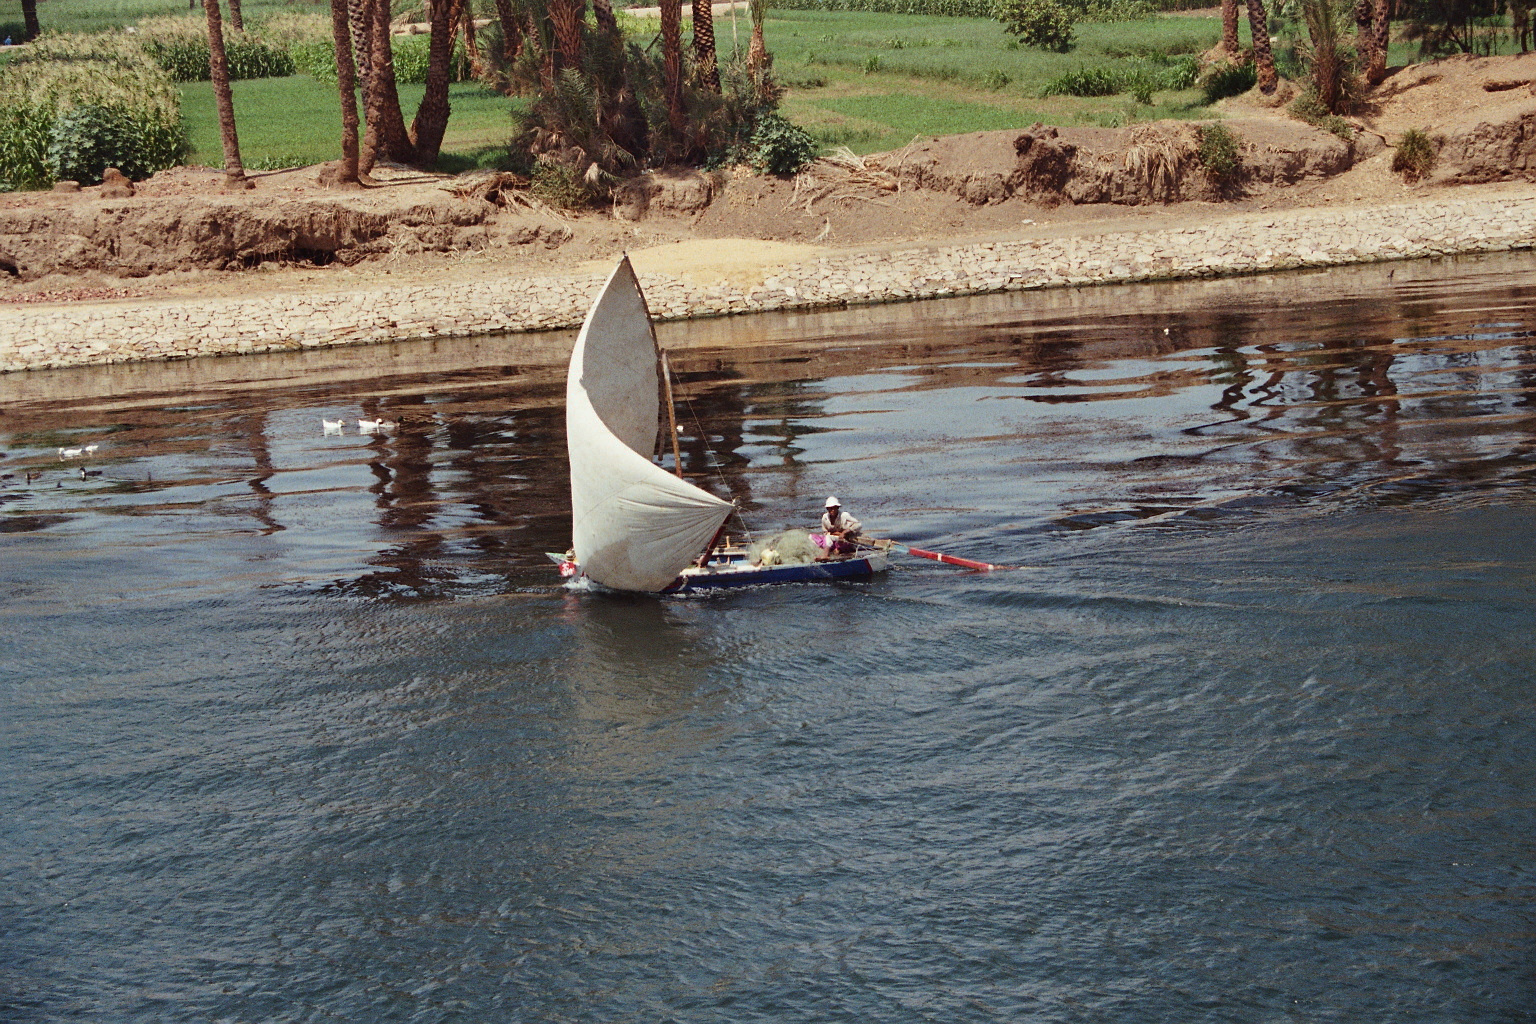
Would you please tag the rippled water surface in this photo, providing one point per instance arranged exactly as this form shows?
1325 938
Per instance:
300 727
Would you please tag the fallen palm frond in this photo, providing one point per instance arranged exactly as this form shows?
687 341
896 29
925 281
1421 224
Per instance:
1160 160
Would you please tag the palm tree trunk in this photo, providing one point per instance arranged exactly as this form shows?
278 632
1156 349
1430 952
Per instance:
565 16
1229 41
431 119
236 18
672 65
704 45
346 87
1381 34
511 30
360 20
29 17
218 72
471 46
757 50
385 122
1263 55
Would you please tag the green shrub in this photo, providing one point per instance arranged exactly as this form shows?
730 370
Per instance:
995 79
86 140
778 146
1141 82
1181 73
1415 156
129 113
1044 24
1084 82
1307 107
558 186
315 58
872 64
186 60
250 58
1220 153
24 148
1224 79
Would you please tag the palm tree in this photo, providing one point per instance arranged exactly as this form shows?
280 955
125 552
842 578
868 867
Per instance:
236 18
1381 34
672 64
29 16
511 30
1263 56
1325 51
346 85
218 69
431 119
704 45
565 17
386 136
1229 41
757 51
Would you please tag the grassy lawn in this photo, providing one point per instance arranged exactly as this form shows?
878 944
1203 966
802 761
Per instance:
869 81
873 82
284 122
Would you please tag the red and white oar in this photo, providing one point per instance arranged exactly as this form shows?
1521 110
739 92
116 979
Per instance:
939 556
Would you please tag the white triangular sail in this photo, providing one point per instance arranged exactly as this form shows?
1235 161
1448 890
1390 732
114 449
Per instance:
635 526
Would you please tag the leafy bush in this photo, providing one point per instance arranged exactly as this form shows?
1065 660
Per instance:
24 148
1084 82
131 113
995 79
1220 153
252 58
1040 23
1307 107
1224 79
315 58
186 60
558 186
1141 82
779 146
86 140
872 64
1181 73
1415 156
411 59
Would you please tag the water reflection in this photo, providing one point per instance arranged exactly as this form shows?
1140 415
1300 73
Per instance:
1076 408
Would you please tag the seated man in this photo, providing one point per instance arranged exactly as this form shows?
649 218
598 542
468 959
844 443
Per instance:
839 531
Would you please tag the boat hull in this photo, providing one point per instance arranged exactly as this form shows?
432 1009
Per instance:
716 577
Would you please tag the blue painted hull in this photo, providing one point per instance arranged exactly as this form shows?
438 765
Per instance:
746 576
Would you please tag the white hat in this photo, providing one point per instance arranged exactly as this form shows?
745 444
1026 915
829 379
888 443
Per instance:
833 503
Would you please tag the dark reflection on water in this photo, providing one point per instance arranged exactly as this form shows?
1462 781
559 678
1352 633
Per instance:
299 727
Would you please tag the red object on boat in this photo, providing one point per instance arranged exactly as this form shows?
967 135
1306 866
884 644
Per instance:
950 559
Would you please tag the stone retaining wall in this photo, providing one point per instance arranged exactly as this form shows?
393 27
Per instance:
56 336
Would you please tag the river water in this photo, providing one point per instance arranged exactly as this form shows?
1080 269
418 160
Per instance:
300 726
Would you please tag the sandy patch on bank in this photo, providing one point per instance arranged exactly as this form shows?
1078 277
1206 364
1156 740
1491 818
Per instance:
742 262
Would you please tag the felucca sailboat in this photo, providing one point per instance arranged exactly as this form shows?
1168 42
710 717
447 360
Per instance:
634 526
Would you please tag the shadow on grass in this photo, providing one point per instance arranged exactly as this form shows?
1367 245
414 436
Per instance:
483 158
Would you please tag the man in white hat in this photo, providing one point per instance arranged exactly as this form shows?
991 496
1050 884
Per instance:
840 529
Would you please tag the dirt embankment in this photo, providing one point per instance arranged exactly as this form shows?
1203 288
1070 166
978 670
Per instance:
1481 112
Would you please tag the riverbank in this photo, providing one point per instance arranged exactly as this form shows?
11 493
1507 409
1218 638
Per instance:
720 277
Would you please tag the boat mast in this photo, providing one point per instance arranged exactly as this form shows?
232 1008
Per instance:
666 382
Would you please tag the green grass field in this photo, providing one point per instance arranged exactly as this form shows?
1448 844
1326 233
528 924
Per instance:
869 81
290 121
